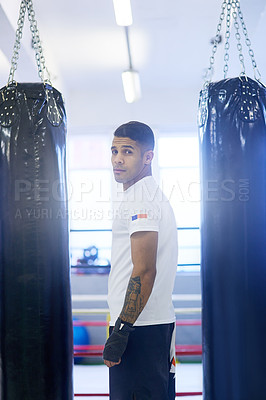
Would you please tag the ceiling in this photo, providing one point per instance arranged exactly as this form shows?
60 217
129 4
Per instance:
86 53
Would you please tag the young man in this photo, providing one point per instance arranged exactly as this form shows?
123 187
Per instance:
140 350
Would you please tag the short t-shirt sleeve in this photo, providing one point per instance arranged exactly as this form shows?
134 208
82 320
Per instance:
143 217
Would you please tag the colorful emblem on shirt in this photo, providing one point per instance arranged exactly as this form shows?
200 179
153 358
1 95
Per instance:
138 216
173 364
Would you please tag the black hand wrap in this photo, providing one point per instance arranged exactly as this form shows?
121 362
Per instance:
117 342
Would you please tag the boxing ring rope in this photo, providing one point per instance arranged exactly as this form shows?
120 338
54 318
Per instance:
103 297
97 350
180 394
88 311
180 322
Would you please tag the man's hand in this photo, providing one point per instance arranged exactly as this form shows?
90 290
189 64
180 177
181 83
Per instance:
116 343
111 363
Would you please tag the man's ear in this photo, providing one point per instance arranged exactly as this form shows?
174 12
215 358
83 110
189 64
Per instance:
148 156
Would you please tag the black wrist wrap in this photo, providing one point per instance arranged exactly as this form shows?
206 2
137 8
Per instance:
117 341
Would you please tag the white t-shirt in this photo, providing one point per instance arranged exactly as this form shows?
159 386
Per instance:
144 208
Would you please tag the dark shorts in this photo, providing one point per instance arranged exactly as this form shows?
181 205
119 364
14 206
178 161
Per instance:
144 371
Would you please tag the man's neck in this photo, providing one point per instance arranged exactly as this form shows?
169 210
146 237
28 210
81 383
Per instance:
142 175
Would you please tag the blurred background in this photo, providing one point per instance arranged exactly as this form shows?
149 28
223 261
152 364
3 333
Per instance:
168 46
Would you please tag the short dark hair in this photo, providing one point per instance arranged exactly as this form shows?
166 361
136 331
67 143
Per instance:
137 131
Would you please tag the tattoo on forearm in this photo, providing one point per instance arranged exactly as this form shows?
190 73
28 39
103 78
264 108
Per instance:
133 301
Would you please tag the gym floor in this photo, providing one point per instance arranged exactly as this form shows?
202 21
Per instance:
94 379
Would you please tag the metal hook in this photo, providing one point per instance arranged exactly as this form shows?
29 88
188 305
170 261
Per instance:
257 77
12 83
243 74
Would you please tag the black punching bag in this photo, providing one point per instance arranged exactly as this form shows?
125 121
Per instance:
36 321
232 132
35 304
36 343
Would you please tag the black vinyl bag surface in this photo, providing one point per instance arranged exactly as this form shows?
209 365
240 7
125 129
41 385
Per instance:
35 304
232 133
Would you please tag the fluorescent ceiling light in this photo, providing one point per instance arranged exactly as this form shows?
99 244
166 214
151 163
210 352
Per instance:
131 84
123 13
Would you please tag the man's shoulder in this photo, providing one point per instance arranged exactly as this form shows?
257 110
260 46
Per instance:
147 190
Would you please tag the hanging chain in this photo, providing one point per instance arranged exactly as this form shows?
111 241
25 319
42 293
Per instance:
14 60
37 44
227 37
42 70
238 38
257 74
210 70
227 6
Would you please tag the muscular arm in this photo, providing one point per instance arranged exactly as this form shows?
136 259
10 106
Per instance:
143 254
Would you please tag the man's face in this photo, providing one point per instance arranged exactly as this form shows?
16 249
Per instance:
129 164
